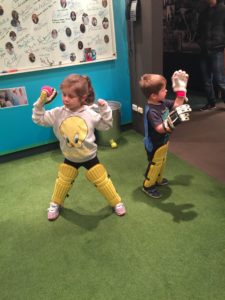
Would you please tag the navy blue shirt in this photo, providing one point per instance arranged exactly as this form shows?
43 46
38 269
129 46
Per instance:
154 116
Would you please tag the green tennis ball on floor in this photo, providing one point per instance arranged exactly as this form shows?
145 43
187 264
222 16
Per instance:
113 144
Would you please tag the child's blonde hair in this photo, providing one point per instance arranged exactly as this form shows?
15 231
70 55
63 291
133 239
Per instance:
151 84
80 86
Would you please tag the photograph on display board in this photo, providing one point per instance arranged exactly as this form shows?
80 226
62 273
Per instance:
44 34
13 97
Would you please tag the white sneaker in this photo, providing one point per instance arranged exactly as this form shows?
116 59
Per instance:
120 209
53 211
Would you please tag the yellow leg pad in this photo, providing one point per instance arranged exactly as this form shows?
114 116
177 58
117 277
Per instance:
99 177
66 176
152 175
160 177
156 169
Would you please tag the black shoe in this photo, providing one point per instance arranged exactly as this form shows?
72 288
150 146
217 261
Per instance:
152 192
208 107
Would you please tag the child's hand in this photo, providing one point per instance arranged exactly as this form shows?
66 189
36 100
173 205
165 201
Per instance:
47 94
176 116
179 83
101 102
98 104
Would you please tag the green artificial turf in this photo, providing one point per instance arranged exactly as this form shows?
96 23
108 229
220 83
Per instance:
167 249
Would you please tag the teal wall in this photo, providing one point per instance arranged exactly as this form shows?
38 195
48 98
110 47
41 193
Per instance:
110 80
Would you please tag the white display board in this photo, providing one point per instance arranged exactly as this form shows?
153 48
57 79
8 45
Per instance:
43 34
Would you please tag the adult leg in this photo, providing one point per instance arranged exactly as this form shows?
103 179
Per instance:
207 78
218 72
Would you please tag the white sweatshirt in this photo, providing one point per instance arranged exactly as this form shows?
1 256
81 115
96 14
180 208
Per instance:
75 130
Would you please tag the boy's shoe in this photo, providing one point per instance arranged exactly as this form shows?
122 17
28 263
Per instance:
120 209
208 107
53 211
152 192
163 182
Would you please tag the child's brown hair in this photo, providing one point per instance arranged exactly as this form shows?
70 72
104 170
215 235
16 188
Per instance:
151 84
81 86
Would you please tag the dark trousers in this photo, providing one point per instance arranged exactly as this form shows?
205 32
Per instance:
212 67
87 164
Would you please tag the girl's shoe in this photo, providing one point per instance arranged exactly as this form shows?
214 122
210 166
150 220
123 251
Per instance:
120 209
53 211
